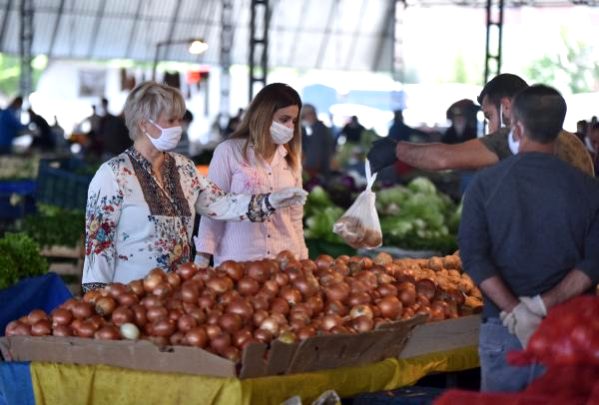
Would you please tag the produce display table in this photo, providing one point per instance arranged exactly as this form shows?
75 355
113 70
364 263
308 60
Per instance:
50 383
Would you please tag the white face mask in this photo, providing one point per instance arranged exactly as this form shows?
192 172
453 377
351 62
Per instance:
589 144
168 139
501 122
514 144
280 133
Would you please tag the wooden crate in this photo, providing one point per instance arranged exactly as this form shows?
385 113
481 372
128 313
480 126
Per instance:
68 263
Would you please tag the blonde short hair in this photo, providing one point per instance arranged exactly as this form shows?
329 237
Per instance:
148 101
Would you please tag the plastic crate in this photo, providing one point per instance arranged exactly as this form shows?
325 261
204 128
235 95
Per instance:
58 185
415 395
24 190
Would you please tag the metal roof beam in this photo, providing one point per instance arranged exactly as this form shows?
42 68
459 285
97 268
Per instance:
171 28
56 27
4 23
129 47
386 32
327 34
94 38
355 35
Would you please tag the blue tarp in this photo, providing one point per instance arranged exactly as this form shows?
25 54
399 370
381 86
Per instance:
15 384
44 292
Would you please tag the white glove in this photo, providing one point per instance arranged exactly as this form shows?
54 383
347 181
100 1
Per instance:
535 305
287 197
201 261
509 321
527 323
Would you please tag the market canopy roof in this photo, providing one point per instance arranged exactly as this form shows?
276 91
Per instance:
327 34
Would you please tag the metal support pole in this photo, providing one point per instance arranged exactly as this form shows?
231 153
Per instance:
259 22
398 63
494 38
226 47
25 43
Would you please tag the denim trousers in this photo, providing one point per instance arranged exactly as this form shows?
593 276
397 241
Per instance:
495 342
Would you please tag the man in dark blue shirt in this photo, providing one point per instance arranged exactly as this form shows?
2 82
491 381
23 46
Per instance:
529 236
10 125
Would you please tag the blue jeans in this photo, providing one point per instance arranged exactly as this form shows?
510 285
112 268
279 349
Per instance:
495 342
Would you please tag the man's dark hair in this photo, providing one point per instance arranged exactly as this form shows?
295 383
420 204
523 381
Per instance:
542 110
503 85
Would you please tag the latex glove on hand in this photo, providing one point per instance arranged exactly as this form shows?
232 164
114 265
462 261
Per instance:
526 323
509 321
287 197
382 154
200 260
535 305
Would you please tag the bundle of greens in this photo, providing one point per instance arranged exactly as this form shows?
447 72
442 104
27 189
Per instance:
320 215
55 226
19 258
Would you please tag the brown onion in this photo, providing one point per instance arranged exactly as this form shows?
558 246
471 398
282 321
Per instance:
242 308
336 308
137 287
390 307
139 314
241 337
198 314
259 316
43 327
280 305
359 298
219 284
69 304
155 277
261 301
151 301
213 331
62 331
330 321
338 292
186 270
206 300
176 338
91 296
361 310
230 322
36 315
271 287
116 289
315 303
270 324
108 332
220 343
258 270
196 337
173 279
291 295
84 329
426 287
186 322
307 286
162 290
306 332
284 257
175 314
308 265
61 316
82 310
232 269
406 293
387 290
263 335
163 327
282 279
248 286
228 297
362 324
122 315
324 262
18 328
127 299
105 305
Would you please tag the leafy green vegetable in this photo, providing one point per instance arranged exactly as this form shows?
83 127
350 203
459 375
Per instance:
55 226
19 258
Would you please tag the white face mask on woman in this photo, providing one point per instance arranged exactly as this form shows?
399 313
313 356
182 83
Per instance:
168 139
280 133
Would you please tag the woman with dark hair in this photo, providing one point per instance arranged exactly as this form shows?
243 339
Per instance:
262 156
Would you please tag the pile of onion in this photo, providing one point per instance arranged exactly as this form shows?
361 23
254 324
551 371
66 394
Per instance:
223 310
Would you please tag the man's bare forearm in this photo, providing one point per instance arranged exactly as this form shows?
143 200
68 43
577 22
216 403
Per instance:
439 156
498 292
575 283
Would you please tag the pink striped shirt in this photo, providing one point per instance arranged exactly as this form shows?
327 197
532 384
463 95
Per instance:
251 241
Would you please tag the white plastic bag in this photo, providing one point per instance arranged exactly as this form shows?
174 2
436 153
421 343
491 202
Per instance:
359 227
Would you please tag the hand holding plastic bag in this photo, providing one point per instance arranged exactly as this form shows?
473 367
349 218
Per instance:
359 227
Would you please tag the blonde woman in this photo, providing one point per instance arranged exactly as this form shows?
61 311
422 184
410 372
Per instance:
141 204
262 156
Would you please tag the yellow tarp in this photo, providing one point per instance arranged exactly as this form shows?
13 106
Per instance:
100 384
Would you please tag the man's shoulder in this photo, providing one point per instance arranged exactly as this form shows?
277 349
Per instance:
570 149
497 143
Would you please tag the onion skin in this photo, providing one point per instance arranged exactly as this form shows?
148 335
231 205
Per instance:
62 331
232 269
61 316
82 310
108 332
390 307
186 322
122 315
186 271
196 337
248 286
43 327
105 306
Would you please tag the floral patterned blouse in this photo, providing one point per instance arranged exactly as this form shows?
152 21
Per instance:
133 224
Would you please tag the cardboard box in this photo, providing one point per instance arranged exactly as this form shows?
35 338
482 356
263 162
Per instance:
317 353
441 336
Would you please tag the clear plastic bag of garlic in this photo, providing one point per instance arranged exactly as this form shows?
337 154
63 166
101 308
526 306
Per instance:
360 227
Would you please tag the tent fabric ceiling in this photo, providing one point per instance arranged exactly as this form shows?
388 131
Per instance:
326 34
